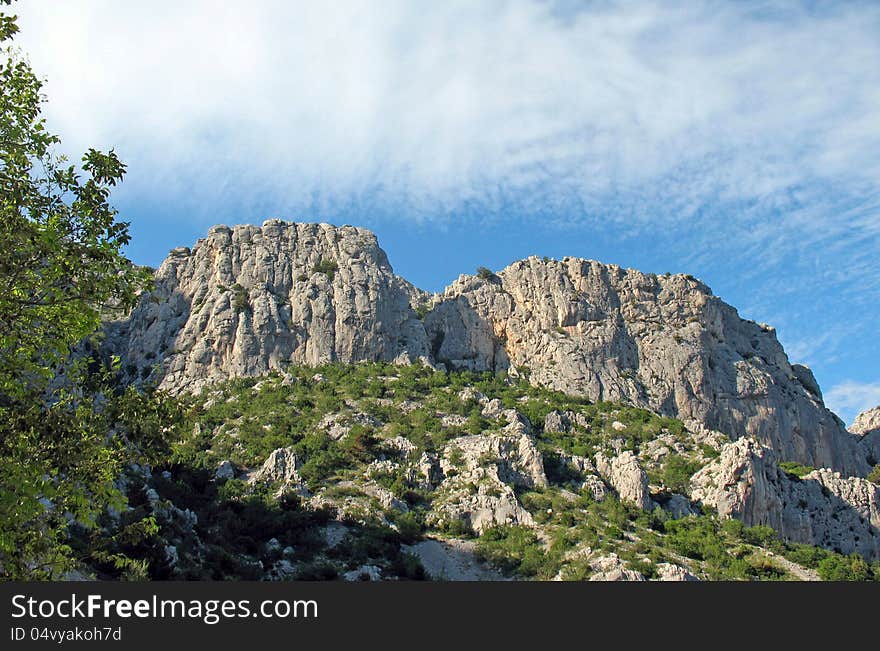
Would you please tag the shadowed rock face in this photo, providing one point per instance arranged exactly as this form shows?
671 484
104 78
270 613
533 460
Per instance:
822 508
867 427
247 300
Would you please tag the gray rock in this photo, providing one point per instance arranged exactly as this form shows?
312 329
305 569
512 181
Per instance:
281 468
679 506
627 478
867 427
663 343
866 422
612 568
823 508
364 573
671 572
225 470
247 300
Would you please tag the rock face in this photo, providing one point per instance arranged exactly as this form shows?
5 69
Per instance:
281 468
867 426
480 473
627 477
867 422
660 342
671 572
611 568
248 300
822 508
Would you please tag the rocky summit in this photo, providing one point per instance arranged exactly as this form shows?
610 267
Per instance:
563 420
248 300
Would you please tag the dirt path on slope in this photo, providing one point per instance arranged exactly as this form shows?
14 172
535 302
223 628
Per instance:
452 560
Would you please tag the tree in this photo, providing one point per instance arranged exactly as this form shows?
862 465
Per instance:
62 267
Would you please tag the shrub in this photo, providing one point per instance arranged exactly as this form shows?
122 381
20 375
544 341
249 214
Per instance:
239 298
486 274
677 472
874 475
409 526
843 568
326 267
422 310
794 469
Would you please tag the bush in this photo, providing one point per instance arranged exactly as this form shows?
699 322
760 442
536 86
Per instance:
794 469
486 274
874 475
409 526
510 548
326 267
677 472
843 568
239 298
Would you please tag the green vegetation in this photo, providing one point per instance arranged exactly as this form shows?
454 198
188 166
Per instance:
794 469
239 298
326 267
874 475
422 310
486 274
677 472
62 269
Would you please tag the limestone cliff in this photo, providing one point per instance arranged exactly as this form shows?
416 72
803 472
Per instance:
821 508
661 342
247 300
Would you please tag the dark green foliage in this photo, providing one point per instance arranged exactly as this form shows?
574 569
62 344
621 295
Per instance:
794 469
326 267
845 568
677 472
239 298
486 274
62 269
422 310
515 549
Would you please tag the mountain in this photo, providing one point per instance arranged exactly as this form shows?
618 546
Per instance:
554 420
248 300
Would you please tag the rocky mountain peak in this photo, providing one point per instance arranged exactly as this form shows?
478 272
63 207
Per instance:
252 299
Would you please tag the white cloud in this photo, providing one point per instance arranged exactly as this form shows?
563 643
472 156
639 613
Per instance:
432 105
849 398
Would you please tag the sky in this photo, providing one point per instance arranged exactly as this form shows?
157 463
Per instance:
735 141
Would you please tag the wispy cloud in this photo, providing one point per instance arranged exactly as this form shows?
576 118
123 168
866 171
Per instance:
849 398
433 105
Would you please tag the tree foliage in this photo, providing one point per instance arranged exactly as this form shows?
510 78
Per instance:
62 268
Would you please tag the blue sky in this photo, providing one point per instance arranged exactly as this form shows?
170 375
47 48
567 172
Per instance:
738 142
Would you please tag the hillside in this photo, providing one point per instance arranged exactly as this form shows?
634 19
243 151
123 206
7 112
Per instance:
556 420
402 472
248 300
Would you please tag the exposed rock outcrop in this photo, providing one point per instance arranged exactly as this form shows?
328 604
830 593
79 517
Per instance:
867 426
612 568
480 473
866 422
660 342
248 300
672 572
280 468
822 508
627 477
